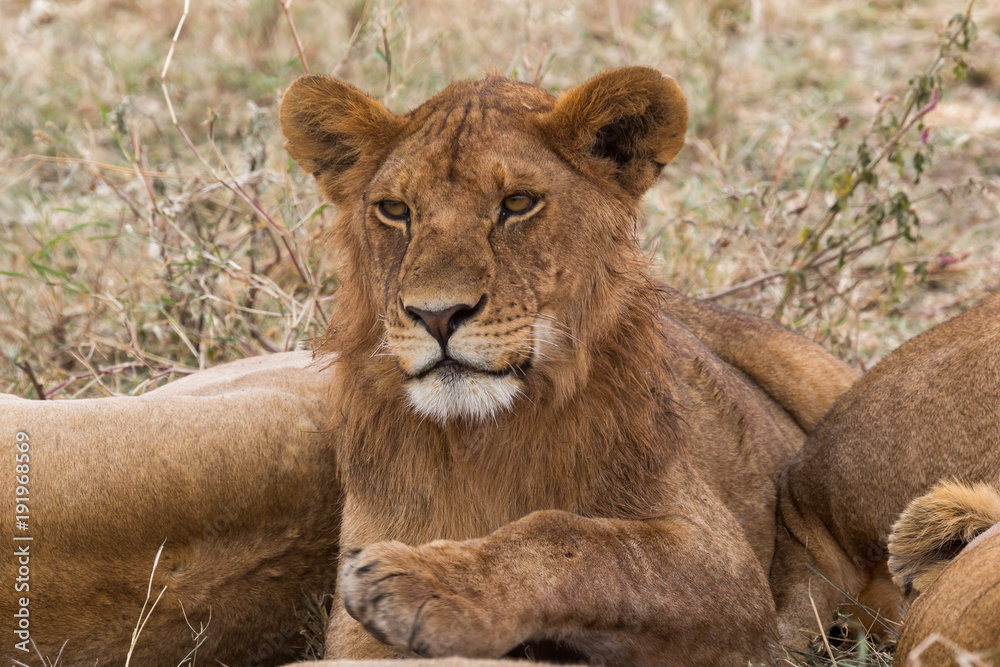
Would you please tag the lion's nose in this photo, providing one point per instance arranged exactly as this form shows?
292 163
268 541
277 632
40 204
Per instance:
442 323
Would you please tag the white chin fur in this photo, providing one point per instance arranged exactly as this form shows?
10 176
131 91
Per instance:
445 395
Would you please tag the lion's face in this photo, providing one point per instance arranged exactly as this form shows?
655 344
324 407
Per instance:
481 237
470 243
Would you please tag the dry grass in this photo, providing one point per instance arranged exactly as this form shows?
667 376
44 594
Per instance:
127 260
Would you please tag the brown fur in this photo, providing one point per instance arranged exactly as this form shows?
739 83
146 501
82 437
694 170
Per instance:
623 503
946 546
935 528
926 413
227 469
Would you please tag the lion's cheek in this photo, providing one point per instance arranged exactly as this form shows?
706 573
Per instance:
413 353
553 277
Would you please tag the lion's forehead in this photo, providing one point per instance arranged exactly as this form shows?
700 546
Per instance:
513 99
471 132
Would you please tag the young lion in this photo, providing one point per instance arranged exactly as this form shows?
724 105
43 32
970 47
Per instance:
518 437
536 442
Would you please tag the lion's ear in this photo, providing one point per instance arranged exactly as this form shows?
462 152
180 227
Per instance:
329 125
628 121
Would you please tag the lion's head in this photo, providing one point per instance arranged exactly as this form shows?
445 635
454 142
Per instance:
486 238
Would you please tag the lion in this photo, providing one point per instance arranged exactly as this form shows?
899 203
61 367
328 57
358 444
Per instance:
511 442
228 470
925 414
537 443
945 548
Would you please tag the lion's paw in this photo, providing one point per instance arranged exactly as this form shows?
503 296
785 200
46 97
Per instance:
402 596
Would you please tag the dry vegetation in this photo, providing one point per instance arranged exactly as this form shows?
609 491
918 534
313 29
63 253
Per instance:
129 257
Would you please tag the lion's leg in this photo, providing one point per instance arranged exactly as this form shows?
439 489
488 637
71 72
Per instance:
673 590
807 584
881 607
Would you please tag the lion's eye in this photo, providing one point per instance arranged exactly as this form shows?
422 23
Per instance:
518 203
394 210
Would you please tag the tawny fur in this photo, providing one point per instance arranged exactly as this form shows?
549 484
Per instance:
947 547
229 470
622 502
936 527
925 414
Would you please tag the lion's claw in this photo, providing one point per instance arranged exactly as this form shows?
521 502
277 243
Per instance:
396 593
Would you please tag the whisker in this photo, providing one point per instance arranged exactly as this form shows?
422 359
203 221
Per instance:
562 327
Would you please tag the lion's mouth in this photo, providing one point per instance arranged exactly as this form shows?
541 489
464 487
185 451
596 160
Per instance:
452 368
451 389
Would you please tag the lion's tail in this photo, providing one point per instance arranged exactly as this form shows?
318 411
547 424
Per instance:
935 528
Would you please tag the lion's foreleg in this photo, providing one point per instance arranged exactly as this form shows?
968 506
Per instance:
663 591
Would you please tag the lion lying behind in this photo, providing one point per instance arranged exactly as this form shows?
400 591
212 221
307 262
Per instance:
228 469
520 439
946 547
926 413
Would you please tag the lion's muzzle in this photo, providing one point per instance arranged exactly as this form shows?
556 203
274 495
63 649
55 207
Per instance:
460 361
441 324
